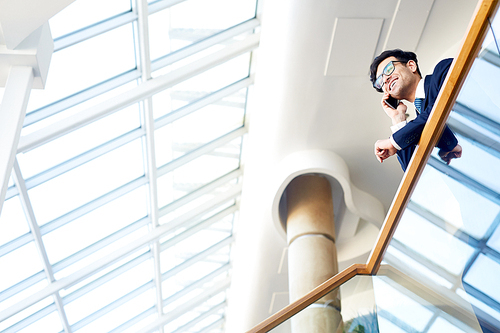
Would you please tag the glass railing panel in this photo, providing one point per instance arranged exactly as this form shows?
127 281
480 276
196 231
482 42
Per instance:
448 237
357 311
404 304
389 302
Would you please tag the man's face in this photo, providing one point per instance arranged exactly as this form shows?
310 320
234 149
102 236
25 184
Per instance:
399 83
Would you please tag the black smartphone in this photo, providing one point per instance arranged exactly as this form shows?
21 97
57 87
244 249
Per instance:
392 102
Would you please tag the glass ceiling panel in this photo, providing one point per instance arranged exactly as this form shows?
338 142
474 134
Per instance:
486 283
110 292
494 241
103 221
81 14
179 324
201 85
122 314
85 64
194 175
93 179
49 323
36 326
83 259
484 172
196 201
455 203
480 90
190 21
12 221
199 128
26 254
6 301
88 188
58 113
175 255
79 141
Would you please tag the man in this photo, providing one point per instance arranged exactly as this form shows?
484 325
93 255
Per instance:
396 74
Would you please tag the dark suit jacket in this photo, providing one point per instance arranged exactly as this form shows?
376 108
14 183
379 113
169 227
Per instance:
408 137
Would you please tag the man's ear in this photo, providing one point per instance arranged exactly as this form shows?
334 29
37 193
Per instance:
412 65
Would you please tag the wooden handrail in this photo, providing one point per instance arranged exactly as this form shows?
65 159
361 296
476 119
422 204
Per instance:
437 120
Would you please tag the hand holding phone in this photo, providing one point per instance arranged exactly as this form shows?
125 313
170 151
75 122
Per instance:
392 102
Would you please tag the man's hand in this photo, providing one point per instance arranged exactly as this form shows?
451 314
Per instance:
384 149
397 115
447 156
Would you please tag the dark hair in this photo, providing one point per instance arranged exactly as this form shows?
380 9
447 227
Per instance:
398 54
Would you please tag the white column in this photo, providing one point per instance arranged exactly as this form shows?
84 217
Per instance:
12 112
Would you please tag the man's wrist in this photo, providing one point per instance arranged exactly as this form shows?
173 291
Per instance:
401 117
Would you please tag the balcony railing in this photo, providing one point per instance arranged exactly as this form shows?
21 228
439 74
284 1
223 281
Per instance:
459 70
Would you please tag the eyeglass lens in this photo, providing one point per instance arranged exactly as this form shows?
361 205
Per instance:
388 69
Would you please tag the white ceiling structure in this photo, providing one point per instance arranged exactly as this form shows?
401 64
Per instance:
126 206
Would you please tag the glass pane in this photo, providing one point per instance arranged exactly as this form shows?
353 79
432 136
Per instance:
122 314
25 293
87 182
12 220
193 203
494 241
193 175
410 305
411 264
79 141
65 113
198 128
81 14
13 272
190 320
486 283
194 244
112 290
96 225
455 203
358 311
428 240
483 172
129 261
201 85
12 321
49 323
193 20
85 64
480 90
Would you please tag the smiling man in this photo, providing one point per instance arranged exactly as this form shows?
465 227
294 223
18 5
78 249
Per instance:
396 74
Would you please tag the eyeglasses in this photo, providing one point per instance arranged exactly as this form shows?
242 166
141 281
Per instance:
388 70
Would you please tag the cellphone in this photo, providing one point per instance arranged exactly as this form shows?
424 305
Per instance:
392 102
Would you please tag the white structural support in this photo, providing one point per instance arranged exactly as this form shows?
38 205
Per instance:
14 31
148 124
35 230
12 112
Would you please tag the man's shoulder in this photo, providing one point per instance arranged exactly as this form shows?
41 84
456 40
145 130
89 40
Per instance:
443 64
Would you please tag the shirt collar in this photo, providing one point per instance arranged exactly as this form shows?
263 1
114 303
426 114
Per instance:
420 93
